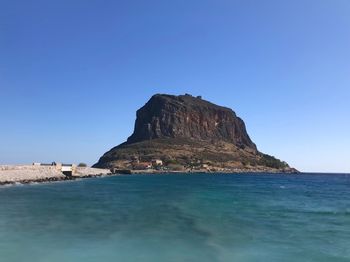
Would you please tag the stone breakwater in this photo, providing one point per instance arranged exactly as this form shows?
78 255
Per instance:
12 174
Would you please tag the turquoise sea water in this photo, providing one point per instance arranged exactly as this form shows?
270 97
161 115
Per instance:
178 218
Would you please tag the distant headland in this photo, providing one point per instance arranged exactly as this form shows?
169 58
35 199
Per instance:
188 134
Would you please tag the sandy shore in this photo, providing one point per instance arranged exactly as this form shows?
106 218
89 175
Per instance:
11 174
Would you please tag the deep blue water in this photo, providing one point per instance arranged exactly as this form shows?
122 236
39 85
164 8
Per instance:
178 218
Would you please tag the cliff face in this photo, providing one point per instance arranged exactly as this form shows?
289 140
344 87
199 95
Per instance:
167 116
188 132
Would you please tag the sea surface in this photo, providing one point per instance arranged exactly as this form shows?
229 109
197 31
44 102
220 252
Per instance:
198 217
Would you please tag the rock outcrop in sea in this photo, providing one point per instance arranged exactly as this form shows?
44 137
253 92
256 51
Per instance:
189 133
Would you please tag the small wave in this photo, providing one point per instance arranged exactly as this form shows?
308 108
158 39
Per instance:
7 185
328 212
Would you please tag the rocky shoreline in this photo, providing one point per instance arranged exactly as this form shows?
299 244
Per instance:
26 174
13 175
232 172
54 179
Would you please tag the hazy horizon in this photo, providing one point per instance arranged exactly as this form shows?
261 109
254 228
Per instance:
73 74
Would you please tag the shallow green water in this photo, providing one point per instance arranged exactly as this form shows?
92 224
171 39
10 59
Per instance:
178 218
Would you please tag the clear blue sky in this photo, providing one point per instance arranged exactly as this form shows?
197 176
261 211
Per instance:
73 73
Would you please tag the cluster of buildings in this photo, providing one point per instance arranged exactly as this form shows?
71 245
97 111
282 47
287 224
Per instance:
154 164
158 164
